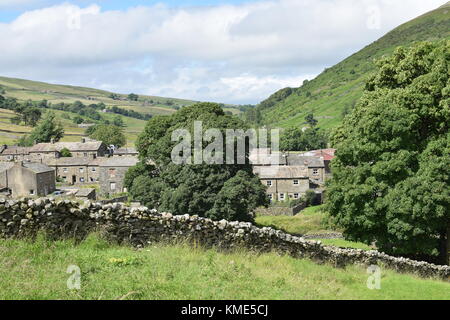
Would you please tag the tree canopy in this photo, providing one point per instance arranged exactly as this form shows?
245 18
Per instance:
46 130
216 191
65 153
391 174
133 97
296 139
109 134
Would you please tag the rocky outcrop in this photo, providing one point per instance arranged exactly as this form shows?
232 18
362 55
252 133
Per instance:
141 226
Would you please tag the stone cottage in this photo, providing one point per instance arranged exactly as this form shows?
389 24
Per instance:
84 149
315 165
284 182
112 174
14 153
24 178
76 170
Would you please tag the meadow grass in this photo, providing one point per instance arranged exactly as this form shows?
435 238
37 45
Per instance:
346 244
311 220
37 270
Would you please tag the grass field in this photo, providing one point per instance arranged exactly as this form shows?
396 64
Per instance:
37 91
37 270
311 221
10 133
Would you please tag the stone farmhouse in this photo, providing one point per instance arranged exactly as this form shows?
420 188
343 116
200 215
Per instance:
25 178
314 165
76 170
291 175
88 156
84 149
284 182
112 174
14 153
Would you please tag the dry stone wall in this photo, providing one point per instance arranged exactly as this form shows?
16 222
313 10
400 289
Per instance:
141 226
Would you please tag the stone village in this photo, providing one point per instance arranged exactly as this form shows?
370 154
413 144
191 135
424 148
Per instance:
96 171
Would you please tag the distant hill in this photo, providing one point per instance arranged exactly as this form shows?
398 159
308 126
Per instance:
335 92
37 91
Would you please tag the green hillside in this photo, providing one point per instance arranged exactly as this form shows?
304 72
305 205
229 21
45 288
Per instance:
335 92
36 91
24 90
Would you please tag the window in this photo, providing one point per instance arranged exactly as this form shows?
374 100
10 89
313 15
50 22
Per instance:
282 196
113 186
65 170
94 169
270 197
296 196
81 179
316 172
10 157
112 173
31 192
64 178
296 182
85 154
92 179
269 183
81 170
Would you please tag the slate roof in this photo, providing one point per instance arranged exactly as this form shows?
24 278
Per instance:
13 150
119 162
36 167
125 151
310 162
75 161
71 146
281 172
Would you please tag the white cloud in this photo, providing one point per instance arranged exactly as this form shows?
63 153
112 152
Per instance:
227 53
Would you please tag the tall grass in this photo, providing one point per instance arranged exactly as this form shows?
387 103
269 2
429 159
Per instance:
37 270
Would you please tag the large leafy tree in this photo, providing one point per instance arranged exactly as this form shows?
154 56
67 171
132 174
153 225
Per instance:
297 139
216 191
391 176
109 134
46 130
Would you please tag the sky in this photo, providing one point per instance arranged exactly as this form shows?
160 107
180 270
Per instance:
229 51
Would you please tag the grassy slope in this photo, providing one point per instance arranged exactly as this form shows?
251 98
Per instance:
72 132
37 91
310 220
341 86
313 220
37 270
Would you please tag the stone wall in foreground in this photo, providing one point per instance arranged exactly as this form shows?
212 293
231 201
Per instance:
141 226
